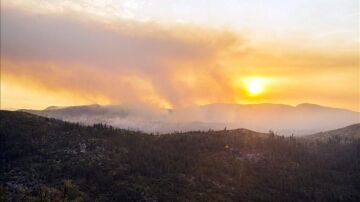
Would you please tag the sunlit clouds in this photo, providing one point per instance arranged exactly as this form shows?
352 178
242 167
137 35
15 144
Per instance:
60 53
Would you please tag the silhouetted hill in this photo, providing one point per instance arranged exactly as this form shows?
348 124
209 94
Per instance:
284 119
345 134
44 159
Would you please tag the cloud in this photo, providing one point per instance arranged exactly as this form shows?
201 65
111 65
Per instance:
176 65
59 38
61 51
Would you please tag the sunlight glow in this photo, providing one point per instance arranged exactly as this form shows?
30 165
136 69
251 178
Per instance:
254 86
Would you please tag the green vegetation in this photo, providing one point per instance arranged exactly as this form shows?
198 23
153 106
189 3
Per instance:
49 160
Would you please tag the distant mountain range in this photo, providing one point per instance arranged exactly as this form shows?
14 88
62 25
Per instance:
283 119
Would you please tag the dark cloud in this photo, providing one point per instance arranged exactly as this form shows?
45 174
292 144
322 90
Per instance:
57 37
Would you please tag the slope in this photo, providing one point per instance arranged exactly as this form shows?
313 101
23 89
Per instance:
46 159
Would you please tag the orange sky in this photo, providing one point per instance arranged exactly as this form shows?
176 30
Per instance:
60 55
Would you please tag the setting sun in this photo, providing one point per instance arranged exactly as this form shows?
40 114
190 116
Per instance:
254 86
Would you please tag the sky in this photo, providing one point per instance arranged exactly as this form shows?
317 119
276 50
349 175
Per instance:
173 54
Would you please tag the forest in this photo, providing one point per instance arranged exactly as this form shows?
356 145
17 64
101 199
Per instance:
45 159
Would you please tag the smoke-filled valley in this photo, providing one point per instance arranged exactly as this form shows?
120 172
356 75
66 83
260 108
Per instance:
285 120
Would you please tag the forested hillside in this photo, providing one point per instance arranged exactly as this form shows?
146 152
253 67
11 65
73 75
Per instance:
44 159
343 134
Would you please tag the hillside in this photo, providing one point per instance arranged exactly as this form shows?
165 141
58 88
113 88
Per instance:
345 134
45 159
284 119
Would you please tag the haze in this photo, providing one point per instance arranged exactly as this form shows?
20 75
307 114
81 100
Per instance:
170 54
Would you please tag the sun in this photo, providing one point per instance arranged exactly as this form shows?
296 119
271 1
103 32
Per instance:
254 86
